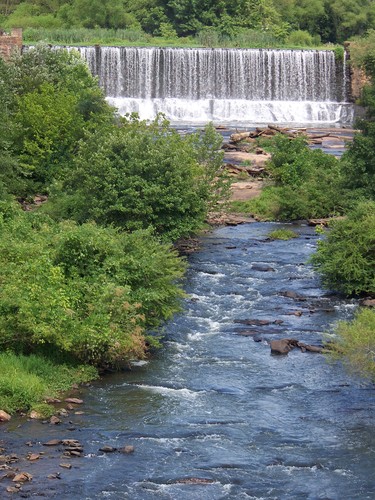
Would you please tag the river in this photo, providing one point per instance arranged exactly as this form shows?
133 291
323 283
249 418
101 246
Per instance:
213 415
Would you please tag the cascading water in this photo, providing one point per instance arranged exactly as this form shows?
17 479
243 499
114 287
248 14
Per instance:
223 85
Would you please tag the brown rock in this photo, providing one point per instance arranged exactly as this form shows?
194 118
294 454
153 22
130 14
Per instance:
12 489
53 442
310 348
22 477
54 420
75 401
9 475
65 466
127 449
107 449
292 295
33 457
282 346
73 453
71 442
4 416
35 415
55 475
52 400
368 302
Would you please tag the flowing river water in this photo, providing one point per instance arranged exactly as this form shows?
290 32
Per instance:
214 415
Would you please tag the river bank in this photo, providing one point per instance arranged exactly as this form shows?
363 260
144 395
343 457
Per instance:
214 414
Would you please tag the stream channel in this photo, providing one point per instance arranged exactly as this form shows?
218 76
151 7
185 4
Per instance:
214 415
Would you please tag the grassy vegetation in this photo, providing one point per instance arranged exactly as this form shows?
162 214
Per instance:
282 234
25 381
355 343
136 37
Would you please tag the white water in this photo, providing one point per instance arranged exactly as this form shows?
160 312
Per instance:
236 111
223 85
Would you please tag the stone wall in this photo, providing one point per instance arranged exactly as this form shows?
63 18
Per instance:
10 43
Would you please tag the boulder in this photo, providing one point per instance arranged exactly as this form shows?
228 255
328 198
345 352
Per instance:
282 346
22 477
127 449
4 416
75 401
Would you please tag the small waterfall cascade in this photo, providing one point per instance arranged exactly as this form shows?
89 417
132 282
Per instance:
223 85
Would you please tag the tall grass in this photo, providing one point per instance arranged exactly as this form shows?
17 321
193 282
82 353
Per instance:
26 380
83 36
356 343
133 37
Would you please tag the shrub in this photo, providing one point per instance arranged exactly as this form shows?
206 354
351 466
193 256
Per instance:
57 102
282 234
307 183
83 291
356 343
137 176
346 258
300 38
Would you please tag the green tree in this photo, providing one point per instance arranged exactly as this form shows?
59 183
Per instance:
307 183
140 175
351 17
8 161
83 292
346 258
57 102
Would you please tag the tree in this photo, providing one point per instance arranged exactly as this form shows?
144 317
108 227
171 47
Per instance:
346 258
83 292
138 175
57 102
8 163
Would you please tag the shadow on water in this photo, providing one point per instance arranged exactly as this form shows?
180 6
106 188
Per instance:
214 415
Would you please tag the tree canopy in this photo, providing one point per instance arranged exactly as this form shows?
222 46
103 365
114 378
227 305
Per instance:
331 21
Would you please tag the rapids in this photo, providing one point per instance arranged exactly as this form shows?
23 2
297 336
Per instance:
213 415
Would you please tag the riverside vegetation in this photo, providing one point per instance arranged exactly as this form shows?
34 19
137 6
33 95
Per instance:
238 23
89 276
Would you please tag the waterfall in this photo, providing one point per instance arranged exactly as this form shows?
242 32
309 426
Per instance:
223 85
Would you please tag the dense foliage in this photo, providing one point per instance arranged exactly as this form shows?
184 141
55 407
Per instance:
306 183
355 343
86 291
52 102
137 176
346 258
299 21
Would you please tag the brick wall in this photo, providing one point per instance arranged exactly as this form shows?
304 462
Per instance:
10 43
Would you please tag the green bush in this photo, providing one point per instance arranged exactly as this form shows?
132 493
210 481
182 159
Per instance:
300 38
282 234
83 291
307 183
137 176
56 102
346 258
356 343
